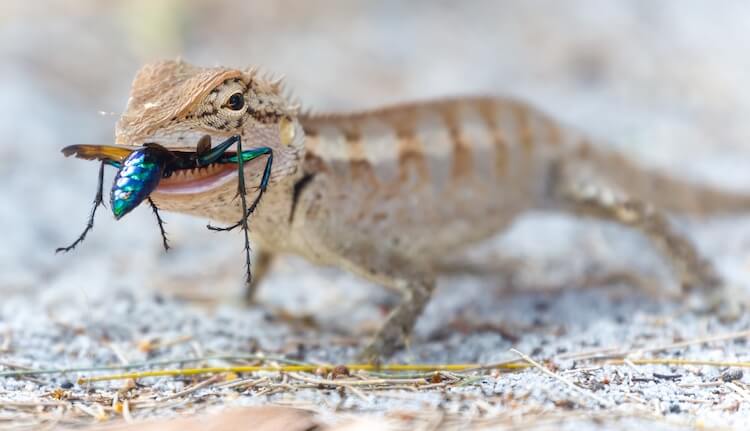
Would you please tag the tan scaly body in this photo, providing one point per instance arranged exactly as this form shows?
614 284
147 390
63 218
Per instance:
388 194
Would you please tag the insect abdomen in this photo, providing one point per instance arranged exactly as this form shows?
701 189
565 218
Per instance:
137 178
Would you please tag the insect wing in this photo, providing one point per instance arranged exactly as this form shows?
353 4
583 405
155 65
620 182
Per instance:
138 176
105 153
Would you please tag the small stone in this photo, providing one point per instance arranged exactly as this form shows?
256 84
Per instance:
339 370
436 377
731 375
565 404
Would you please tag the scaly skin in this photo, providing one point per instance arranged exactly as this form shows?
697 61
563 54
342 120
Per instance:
388 194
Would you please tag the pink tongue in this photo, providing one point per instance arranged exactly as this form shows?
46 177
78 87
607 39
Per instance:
194 182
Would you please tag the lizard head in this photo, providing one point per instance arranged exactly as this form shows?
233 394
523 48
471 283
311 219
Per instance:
175 104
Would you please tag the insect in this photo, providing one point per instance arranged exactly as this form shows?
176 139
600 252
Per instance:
140 170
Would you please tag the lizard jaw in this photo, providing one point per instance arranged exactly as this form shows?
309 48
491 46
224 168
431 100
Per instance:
199 180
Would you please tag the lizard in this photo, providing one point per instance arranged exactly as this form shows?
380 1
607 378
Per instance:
389 193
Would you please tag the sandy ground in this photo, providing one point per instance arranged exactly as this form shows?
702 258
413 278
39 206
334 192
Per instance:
665 82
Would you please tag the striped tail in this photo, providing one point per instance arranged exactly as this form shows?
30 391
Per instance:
667 192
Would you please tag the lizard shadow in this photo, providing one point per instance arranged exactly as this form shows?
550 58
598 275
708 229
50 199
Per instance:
470 318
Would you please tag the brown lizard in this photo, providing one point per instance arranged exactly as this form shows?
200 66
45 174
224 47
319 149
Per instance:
389 193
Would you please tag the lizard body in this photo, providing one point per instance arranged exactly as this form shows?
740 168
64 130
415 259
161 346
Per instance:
389 193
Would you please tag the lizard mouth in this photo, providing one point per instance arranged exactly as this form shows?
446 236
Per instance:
197 180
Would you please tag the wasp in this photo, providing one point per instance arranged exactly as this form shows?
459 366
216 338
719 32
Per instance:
140 170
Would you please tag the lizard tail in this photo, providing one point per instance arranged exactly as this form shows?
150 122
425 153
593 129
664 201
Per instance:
670 193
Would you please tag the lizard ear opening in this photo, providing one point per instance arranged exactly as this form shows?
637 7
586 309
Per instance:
286 131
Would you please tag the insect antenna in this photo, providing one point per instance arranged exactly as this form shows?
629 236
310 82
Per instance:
90 225
161 224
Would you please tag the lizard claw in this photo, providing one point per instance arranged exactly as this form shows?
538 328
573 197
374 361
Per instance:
370 355
223 229
726 303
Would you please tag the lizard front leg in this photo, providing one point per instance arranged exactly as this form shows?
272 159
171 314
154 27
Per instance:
416 291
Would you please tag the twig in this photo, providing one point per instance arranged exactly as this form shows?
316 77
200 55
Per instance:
31 404
5 346
340 383
701 340
699 385
245 383
614 352
155 343
676 361
209 381
144 364
119 353
568 383
349 383
742 392
126 411
285 368
96 414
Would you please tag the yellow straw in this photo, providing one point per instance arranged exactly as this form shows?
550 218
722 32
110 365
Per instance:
299 368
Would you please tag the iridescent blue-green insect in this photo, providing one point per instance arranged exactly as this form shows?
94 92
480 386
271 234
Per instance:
140 170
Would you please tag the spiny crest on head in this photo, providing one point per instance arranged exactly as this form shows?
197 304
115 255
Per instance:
267 81
294 104
308 112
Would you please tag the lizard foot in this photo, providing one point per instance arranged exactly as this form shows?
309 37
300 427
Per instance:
386 342
726 303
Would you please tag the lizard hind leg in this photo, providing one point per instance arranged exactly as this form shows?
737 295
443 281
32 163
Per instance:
588 197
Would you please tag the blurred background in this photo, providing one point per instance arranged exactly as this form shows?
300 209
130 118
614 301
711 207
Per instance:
667 82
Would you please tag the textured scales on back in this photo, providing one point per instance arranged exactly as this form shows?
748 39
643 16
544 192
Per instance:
389 193
418 166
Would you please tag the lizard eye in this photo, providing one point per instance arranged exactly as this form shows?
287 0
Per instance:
235 102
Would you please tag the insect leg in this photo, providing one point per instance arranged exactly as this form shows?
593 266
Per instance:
97 201
240 158
241 191
161 224
214 154
246 156
243 199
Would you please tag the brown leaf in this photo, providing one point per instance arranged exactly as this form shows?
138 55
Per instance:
250 418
